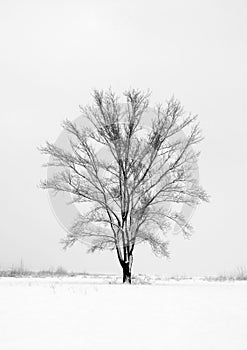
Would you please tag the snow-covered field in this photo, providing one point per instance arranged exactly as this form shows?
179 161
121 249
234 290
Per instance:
85 313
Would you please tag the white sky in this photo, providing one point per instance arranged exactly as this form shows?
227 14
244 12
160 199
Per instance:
54 52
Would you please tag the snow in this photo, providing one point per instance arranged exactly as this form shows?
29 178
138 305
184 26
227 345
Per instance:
89 313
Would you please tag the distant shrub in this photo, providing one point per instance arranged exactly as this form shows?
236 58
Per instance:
240 274
60 271
20 271
16 272
180 278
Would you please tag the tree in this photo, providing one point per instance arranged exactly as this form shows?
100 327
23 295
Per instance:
128 194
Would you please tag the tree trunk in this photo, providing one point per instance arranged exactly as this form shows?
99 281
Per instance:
126 273
127 266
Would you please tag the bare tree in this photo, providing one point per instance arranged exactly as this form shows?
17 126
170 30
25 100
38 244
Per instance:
128 194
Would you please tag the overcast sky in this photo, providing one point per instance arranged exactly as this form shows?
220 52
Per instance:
54 52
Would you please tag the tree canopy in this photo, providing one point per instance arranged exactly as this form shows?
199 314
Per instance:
127 194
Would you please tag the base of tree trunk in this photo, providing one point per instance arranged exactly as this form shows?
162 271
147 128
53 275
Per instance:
126 275
127 279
